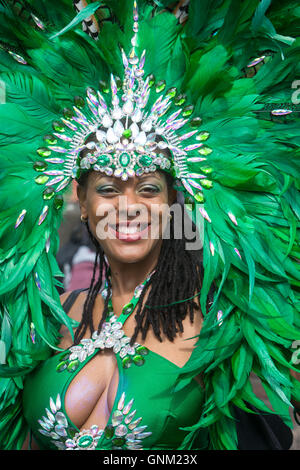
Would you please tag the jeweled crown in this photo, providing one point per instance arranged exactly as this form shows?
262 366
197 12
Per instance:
127 136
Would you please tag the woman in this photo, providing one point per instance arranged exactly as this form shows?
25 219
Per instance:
166 335
132 143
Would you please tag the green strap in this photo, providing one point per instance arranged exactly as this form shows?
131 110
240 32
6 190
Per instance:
173 303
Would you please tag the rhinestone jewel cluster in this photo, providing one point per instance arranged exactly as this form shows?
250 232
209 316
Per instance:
110 336
124 432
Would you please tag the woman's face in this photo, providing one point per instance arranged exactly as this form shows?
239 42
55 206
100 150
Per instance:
128 218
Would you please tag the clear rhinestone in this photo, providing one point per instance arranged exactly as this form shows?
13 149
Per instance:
61 419
117 418
137 115
121 401
118 334
82 355
99 343
123 352
107 121
60 430
45 433
147 125
134 424
116 326
121 430
128 107
110 341
117 113
52 406
118 128
117 347
130 350
111 136
129 418
127 408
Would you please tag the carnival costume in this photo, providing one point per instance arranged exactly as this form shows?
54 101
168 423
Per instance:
205 98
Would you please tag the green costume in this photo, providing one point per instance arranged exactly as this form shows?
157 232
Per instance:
218 111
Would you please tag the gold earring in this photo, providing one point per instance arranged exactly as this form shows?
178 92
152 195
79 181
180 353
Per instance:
83 219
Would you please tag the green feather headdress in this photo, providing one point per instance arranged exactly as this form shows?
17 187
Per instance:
223 83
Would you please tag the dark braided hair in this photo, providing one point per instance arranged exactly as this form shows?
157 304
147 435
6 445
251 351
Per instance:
177 277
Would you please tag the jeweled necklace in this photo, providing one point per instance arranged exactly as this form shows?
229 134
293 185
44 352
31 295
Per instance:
111 335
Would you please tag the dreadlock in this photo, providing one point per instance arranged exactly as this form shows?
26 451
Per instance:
177 277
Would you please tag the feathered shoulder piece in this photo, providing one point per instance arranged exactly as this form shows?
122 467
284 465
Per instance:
206 91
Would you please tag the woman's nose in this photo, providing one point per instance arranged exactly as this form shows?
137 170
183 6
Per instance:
129 204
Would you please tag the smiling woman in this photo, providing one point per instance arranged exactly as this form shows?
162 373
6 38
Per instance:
145 335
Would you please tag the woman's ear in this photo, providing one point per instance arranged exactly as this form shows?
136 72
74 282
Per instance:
81 194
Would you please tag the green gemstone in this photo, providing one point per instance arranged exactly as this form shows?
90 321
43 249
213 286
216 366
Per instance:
109 431
50 139
58 202
142 350
204 150
65 356
204 135
118 83
151 79
160 86
41 179
61 366
103 160
199 197
57 126
187 111
128 308
68 113
180 100
190 201
40 166
48 193
127 133
196 122
138 360
206 170
206 184
103 86
72 432
126 362
44 152
73 365
85 441
124 159
79 102
118 442
145 160
171 92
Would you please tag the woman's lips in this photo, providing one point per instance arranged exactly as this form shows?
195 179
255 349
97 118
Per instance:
129 233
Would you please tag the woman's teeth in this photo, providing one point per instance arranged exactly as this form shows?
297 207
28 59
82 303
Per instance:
131 230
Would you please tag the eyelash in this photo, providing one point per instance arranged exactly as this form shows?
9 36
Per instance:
109 189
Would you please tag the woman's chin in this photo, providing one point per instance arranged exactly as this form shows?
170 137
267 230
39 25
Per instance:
131 252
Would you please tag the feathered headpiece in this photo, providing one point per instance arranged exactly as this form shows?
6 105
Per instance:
209 101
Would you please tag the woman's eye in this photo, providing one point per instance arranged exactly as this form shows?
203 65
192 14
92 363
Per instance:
106 189
150 189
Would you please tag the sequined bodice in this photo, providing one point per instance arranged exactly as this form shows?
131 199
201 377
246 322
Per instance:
147 412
